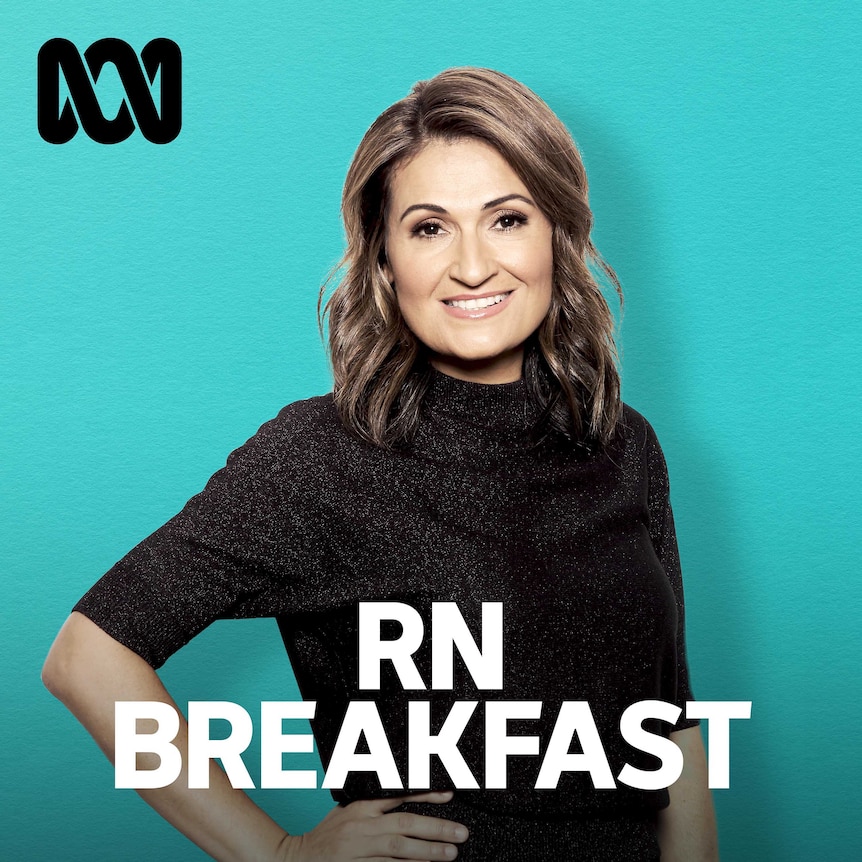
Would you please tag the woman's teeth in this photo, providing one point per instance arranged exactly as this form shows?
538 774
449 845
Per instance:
470 304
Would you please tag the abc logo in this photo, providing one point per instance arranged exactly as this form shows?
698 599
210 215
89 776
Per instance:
57 126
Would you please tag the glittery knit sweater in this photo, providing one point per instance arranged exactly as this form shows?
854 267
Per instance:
305 521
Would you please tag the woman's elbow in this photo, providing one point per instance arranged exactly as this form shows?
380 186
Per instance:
57 669
72 656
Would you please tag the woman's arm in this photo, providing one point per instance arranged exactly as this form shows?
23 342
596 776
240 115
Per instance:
88 670
686 828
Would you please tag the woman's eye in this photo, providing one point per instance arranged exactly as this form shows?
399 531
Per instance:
428 229
509 221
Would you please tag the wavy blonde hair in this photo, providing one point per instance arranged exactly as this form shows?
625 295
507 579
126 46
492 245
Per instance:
381 369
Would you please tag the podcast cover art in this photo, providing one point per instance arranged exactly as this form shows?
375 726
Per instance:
172 190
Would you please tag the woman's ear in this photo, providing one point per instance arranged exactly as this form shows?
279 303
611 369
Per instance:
387 271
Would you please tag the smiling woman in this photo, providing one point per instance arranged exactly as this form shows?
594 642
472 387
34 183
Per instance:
480 132
474 452
473 268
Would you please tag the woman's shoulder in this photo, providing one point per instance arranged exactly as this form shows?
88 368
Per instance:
636 427
305 425
641 448
308 416
304 441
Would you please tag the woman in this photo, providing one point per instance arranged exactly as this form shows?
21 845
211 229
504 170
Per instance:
474 450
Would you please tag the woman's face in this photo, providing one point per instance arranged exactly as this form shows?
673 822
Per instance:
471 258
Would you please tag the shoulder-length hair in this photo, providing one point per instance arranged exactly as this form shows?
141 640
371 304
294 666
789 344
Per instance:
380 368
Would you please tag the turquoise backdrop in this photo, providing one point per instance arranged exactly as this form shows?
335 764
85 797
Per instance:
158 305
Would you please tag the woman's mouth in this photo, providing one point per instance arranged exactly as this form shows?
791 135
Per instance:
482 302
479 306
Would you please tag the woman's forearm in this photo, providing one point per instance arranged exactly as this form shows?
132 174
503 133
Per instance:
686 828
89 671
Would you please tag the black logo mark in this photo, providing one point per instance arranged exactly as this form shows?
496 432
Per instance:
59 126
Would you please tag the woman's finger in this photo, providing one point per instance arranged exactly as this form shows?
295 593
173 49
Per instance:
437 797
370 830
428 829
397 846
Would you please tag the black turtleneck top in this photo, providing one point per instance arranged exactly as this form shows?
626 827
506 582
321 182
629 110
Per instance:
305 521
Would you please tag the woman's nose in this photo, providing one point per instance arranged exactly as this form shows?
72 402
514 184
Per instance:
473 262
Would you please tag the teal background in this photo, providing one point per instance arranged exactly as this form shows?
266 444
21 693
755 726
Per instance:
158 304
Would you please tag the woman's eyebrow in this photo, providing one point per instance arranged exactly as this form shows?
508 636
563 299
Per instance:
497 201
434 208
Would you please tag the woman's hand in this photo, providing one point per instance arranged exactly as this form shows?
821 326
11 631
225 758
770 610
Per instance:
89 671
371 830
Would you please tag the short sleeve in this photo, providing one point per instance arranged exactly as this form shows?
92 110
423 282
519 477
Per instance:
663 537
233 551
